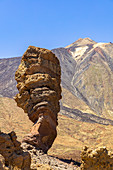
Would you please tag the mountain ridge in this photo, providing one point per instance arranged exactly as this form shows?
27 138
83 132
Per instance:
92 61
87 74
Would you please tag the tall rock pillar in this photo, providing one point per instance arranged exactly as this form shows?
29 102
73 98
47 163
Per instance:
38 81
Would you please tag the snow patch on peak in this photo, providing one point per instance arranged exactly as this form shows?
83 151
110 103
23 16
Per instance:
99 45
79 52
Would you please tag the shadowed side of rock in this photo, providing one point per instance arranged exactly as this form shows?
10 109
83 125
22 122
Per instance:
12 152
38 81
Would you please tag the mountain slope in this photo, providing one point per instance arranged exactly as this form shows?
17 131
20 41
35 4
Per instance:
13 118
87 76
68 65
92 75
7 76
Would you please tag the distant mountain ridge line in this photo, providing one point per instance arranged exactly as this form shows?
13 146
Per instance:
10 58
87 74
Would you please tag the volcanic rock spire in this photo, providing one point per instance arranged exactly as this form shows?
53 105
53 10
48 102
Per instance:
38 81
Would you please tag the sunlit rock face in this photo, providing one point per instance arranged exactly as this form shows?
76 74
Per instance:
38 81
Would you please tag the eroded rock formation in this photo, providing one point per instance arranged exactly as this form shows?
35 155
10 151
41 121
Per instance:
97 159
38 81
14 155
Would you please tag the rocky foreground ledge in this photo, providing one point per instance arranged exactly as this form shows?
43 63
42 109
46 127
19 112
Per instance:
17 156
12 153
40 160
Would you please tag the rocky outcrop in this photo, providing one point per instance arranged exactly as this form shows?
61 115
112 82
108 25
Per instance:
38 81
97 159
10 149
41 161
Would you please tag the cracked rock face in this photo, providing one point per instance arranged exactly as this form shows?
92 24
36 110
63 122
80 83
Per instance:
38 81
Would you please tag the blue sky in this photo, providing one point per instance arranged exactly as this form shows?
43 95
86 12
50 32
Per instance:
52 23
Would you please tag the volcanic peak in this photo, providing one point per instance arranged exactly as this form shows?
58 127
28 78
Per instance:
82 42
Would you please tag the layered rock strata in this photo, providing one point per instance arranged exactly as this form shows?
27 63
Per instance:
97 159
38 81
10 149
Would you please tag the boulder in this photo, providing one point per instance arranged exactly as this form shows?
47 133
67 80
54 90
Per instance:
12 152
97 159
